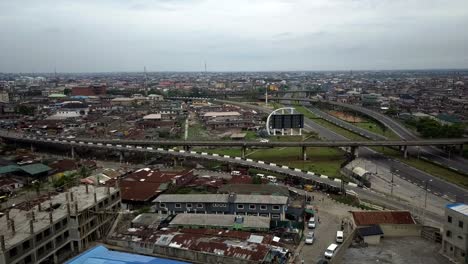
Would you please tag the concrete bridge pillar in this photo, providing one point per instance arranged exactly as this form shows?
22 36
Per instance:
355 151
304 153
121 156
73 152
460 150
187 148
405 152
243 151
32 148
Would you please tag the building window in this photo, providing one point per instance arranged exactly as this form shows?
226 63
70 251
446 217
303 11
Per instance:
252 207
39 237
162 205
263 207
26 245
13 252
449 219
240 206
199 205
460 237
460 224
448 233
28 259
188 205
65 221
47 232
66 234
177 205
276 207
275 216
264 215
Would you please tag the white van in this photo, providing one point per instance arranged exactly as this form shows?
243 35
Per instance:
271 178
262 176
339 236
330 252
235 173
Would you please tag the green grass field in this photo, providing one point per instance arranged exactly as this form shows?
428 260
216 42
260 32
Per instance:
321 160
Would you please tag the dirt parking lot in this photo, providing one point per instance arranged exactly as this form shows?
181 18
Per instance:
414 250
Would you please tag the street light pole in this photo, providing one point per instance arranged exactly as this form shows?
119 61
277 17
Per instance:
391 187
425 198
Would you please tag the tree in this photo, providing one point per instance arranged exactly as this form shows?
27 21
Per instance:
25 110
67 91
431 128
84 172
256 180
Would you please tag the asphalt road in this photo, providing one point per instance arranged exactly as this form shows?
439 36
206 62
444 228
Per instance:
438 156
434 154
419 177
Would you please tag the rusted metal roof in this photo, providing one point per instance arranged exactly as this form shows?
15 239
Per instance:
364 218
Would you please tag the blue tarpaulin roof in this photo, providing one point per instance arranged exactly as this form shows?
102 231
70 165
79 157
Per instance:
102 255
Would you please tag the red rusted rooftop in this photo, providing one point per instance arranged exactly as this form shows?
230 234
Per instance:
364 218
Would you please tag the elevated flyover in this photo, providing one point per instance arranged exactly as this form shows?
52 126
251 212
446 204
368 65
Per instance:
307 176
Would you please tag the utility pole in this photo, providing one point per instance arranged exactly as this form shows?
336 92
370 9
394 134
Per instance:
146 82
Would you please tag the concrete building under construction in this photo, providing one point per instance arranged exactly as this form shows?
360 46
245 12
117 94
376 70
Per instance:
52 228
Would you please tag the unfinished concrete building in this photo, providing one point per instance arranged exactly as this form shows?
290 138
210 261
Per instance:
53 228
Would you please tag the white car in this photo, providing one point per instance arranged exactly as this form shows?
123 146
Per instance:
311 223
264 140
330 252
310 238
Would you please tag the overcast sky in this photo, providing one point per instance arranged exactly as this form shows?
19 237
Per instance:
234 35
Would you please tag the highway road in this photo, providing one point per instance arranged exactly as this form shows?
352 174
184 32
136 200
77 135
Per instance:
436 155
366 194
419 177
257 144
437 185
449 160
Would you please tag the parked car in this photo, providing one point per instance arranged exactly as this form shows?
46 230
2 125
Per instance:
311 223
330 252
339 236
310 237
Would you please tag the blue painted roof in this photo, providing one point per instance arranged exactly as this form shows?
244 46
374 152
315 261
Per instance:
102 255
459 207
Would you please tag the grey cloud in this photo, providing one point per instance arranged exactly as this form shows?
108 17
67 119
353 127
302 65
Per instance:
119 35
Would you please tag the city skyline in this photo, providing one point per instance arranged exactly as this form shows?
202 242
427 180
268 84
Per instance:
279 35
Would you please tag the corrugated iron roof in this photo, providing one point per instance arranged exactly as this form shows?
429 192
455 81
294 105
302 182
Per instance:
363 218
459 207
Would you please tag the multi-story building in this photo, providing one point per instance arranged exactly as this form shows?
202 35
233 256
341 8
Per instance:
50 230
90 90
237 204
455 239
